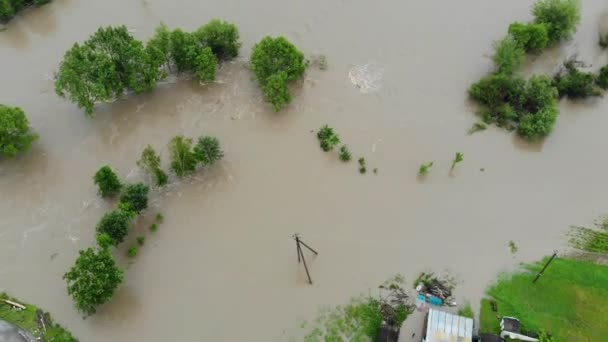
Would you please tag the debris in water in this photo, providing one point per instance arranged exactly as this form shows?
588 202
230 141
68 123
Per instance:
367 77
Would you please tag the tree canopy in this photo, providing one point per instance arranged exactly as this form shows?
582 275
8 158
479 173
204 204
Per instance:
107 181
93 279
208 150
115 224
221 36
275 63
560 16
150 163
8 8
136 196
183 159
15 133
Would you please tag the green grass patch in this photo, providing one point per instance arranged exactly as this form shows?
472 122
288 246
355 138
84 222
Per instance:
466 311
488 323
29 319
570 301
590 239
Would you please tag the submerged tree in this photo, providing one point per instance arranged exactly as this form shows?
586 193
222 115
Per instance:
107 181
208 150
276 62
327 138
221 36
457 159
93 279
345 154
183 159
560 16
15 133
114 224
136 196
110 62
150 163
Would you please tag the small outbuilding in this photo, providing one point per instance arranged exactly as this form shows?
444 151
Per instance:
441 326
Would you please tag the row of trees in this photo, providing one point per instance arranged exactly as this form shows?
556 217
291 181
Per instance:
530 106
9 8
16 136
112 62
95 275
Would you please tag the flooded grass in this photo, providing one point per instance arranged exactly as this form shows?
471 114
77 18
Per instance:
30 320
570 300
590 239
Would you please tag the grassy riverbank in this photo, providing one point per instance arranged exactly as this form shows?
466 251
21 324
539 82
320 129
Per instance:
570 301
31 319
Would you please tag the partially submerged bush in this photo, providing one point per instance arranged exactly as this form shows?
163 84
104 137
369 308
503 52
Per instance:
496 89
136 196
327 138
114 224
574 83
107 181
425 168
508 55
183 159
560 16
532 37
459 157
15 133
276 62
9 8
221 36
538 125
345 154
93 279
205 65
208 150
602 78
150 163
538 93
132 251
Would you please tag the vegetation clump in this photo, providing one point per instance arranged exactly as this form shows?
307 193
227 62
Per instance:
132 251
560 16
221 37
107 181
9 8
574 83
208 151
604 40
115 225
508 55
150 163
345 154
276 62
362 165
593 240
93 279
183 159
477 127
16 135
602 78
531 37
466 311
327 138
141 240
425 168
135 196
459 157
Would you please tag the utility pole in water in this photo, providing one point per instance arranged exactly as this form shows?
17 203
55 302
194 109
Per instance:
301 254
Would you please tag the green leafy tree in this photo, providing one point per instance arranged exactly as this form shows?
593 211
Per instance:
107 181
15 133
508 55
183 159
531 36
345 154
602 78
205 65
538 93
132 251
115 224
496 89
560 16
104 240
575 83
538 125
327 138
270 57
136 196
184 50
159 46
93 279
208 150
221 36
100 70
6 10
150 163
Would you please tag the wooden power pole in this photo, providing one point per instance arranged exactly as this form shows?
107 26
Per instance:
299 244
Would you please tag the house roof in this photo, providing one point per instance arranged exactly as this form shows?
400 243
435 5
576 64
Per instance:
443 326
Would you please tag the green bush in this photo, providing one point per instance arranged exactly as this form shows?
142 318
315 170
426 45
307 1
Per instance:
345 154
208 150
116 225
508 55
159 46
270 57
604 40
538 93
141 240
6 10
183 159
107 181
153 227
575 83
15 133
104 240
496 89
327 138
93 279
560 16
184 50
132 251
136 196
459 157
100 70
532 37
602 78
538 125
425 168
222 37
205 65
150 163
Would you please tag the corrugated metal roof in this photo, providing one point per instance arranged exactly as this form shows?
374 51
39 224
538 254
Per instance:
446 327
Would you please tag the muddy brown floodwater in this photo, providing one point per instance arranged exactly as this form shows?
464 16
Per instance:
223 266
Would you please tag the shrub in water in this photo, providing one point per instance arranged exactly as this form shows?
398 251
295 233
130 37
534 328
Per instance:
205 65
575 83
602 78
153 227
362 165
132 251
496 89
141 240
208 150
183 159
104 240
457 159
107 181
327 138
115 224
136 196
270 57
424 168
532 37
560 16
345 154
15 133
538 93
538 125
150 163
508 55
221 36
